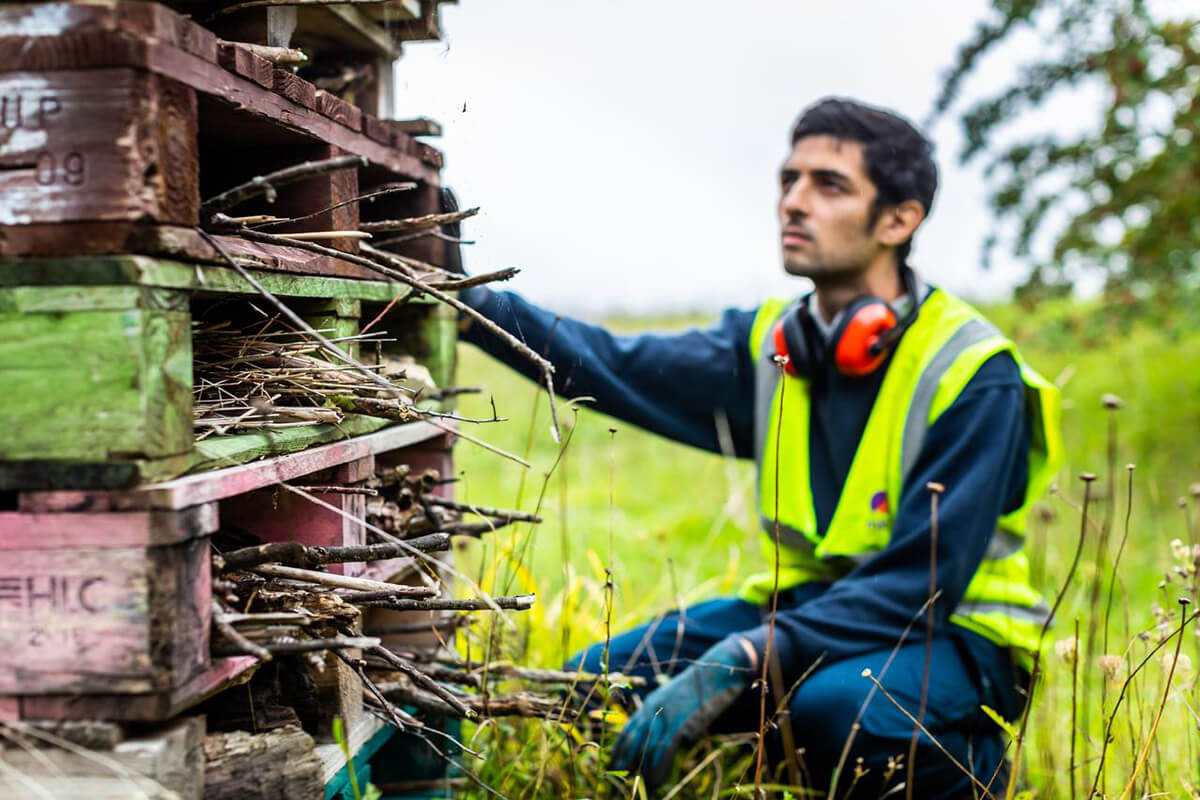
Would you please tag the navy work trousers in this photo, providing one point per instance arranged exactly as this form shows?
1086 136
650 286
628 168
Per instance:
824 706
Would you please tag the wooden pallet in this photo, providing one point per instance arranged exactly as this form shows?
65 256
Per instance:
122 115
97 355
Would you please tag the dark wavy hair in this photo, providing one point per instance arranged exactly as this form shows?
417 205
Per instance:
899 159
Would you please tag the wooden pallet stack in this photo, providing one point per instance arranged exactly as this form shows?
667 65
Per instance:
117 119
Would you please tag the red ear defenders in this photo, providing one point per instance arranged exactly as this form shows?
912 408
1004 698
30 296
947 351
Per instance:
868 329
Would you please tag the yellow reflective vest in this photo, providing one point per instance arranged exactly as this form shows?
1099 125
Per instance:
933 362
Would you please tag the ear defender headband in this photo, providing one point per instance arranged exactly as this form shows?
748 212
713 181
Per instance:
868 330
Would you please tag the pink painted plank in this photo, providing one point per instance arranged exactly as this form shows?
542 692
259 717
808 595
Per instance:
151 707
115 620
220 484
20 530
10 709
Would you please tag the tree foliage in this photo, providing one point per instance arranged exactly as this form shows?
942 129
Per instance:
1119 194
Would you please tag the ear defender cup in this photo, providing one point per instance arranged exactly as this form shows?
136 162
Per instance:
791 341
863 336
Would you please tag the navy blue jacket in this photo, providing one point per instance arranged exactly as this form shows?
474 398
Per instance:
677 384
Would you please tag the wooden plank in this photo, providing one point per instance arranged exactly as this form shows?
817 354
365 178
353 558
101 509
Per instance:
338 109
157 272
220 484
355 30
172 757
97 144
73 474
21 530
241 61
151 707
295 88
376 129
277 765
116 620
95 48
90 385
422 126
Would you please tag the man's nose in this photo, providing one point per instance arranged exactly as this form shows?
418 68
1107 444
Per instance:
794 201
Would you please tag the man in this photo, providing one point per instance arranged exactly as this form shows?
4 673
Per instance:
866 405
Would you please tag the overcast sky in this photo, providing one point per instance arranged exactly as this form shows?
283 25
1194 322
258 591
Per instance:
624 152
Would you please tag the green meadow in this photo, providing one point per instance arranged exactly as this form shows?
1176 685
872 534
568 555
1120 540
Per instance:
635 525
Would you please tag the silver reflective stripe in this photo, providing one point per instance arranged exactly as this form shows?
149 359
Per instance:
788 536
916 425
1003 544
1037 615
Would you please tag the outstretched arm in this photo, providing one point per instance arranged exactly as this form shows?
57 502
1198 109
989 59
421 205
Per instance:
675 385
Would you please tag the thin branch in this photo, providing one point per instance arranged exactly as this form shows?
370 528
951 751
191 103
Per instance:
521 602
267 184
398 187
299 555
414 223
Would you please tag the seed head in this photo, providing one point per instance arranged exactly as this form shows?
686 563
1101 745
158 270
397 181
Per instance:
936 487
1111 402
1087 477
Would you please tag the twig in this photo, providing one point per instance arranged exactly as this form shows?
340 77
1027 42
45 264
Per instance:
447 622
242 644
295 319
284 647
483 511
521 602
304 556
424 681
364 490
267 184
334 581
516 705
413 223
286 56
476 280
545 366
397 187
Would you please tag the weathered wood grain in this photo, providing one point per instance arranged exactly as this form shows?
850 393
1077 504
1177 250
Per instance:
59 530
223 483
163 273
241 61
115 44
124 620
277 765
295 88
94 384
97 144
150 707
172 757
338 109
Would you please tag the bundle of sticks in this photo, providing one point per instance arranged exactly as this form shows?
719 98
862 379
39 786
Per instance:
275 600
272 377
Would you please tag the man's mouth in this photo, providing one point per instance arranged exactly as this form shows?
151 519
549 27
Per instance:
794 237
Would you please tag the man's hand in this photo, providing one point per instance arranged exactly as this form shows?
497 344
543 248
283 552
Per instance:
674 716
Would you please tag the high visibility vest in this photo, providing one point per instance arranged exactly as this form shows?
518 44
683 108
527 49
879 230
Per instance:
934 360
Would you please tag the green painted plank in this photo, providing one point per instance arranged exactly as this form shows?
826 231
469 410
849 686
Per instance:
95 385
51 475
216 452
147 271
56 299
339 785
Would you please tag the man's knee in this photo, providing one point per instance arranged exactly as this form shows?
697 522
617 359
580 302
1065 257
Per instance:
823 711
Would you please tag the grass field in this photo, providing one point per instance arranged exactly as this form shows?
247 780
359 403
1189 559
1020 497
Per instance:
670 525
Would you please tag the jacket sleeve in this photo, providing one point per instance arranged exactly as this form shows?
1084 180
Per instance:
978 449
676 385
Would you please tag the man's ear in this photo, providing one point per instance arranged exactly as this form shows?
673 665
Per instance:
897 224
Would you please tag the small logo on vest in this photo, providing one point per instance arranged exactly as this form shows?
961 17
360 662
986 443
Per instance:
879 503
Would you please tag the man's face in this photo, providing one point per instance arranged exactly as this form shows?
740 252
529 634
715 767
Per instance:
825 200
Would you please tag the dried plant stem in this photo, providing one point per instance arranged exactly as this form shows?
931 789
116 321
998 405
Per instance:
295 319
267 184
1087 479
986 793
1141 760
781 364
235 638
1074 706
476 280
423 681
935 493
521 602
308 557
334 581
